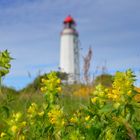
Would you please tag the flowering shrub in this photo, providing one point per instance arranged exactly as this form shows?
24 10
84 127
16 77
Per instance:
113 114
38 122
114 111
4 64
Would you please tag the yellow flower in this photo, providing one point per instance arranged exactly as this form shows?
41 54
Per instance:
24 123
114 91
2 134
63 122
32 109
17 116
53 120
58 81
73 120
93 100
43 89
43 80
21 137
41 113
113 96
87 118
49 114
59 89
129 92
34 105
14 128
109 95
54 115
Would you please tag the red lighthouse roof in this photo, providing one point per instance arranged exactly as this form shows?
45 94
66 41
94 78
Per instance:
69 19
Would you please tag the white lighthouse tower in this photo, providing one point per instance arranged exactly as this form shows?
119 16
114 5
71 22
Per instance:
69 51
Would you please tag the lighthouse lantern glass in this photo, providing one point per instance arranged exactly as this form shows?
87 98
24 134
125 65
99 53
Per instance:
69 25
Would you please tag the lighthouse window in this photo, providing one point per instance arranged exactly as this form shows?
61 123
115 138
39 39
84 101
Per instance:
69 25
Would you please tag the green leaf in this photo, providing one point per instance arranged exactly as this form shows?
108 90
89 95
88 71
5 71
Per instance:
106 108
5 111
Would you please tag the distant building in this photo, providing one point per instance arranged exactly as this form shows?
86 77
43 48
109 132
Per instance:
69 51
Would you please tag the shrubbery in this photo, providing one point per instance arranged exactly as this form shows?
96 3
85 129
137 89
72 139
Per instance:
112 113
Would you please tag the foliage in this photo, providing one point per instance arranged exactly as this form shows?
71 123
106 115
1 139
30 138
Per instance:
62 75
104 79
5 65
114 111
34 87
8 90
112 114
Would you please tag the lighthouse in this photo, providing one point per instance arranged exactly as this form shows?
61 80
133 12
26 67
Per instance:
69 50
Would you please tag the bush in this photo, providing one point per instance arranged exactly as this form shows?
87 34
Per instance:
112 114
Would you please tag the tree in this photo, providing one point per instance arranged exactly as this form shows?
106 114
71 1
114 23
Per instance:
104 79
62 75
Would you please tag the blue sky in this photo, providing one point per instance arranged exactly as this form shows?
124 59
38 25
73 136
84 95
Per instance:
30 30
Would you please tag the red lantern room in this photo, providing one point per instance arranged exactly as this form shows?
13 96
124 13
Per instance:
69 22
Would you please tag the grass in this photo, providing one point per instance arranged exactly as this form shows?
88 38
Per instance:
69 99
20 100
